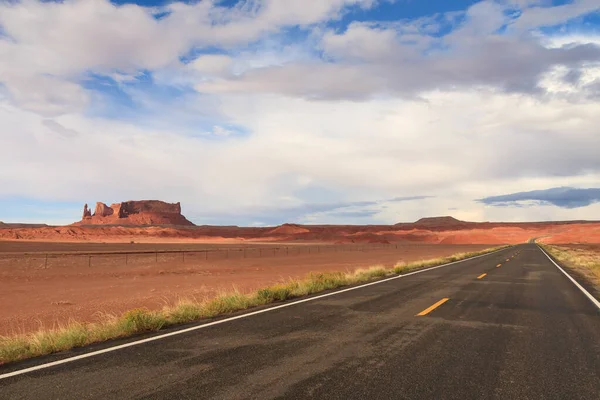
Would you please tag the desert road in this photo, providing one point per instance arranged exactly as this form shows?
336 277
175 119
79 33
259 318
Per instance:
509 325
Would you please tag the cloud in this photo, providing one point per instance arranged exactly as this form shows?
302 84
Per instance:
542 16
366 59
271 111
360 41
370 59
45 95
212 64
47 46
306 212
58 128
566 197
408 198
358 150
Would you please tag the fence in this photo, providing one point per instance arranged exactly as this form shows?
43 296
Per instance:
90 259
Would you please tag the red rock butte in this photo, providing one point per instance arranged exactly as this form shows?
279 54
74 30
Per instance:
142 212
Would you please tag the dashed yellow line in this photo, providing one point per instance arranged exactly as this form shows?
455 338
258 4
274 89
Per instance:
498 266
433 307
481 276
508 259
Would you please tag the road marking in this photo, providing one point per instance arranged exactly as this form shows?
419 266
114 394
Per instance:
589 296
481 276
433 307
508 259
222 321
498 266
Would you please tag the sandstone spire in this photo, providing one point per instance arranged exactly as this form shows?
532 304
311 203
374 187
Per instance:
86 212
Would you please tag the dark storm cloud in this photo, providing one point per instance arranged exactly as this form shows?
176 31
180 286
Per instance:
565 197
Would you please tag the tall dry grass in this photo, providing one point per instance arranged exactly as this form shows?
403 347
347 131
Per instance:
76 334
586 262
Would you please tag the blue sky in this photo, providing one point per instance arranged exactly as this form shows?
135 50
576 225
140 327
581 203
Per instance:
261 112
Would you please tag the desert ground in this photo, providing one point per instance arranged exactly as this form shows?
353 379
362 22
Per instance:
443 230
36 292
50 275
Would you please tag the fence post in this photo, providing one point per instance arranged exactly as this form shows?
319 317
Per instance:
126 258
227 253
89 261
156 257
287 251
183 256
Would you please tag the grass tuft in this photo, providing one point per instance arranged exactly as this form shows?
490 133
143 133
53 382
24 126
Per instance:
226 304
140 320
274 293
184 311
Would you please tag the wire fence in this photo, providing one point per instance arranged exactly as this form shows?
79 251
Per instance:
91 259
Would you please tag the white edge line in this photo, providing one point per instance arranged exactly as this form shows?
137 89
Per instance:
222 321
588 294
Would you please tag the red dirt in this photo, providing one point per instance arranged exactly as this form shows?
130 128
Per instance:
576 234
480 233
34 292
33 295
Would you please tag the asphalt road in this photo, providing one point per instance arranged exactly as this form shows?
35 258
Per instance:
522 331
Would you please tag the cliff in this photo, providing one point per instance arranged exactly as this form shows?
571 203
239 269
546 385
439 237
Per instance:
142 212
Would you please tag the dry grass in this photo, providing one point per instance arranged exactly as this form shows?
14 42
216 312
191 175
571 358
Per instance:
75 334
586 262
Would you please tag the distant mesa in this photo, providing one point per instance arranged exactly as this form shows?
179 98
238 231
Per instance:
142 212
440 221
288 229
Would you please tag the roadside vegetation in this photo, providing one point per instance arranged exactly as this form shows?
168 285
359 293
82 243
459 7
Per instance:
76 334
584 261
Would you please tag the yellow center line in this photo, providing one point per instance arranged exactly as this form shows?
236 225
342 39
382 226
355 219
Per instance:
481 276
498 266
433 307
508 259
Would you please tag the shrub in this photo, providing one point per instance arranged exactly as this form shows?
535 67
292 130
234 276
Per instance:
142 320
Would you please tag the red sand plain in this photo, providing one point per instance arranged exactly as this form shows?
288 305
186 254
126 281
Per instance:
35 293
33 296
443 230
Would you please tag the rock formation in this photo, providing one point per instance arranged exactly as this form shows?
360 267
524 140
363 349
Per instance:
143 212
102 210
87 213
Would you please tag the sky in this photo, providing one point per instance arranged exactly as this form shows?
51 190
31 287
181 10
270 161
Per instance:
260 112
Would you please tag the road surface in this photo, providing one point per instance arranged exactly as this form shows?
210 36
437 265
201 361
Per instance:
508 325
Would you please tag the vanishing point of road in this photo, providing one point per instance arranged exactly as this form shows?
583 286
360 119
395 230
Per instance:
508 325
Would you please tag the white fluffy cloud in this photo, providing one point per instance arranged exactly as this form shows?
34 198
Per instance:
270 130
454 146
50 44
